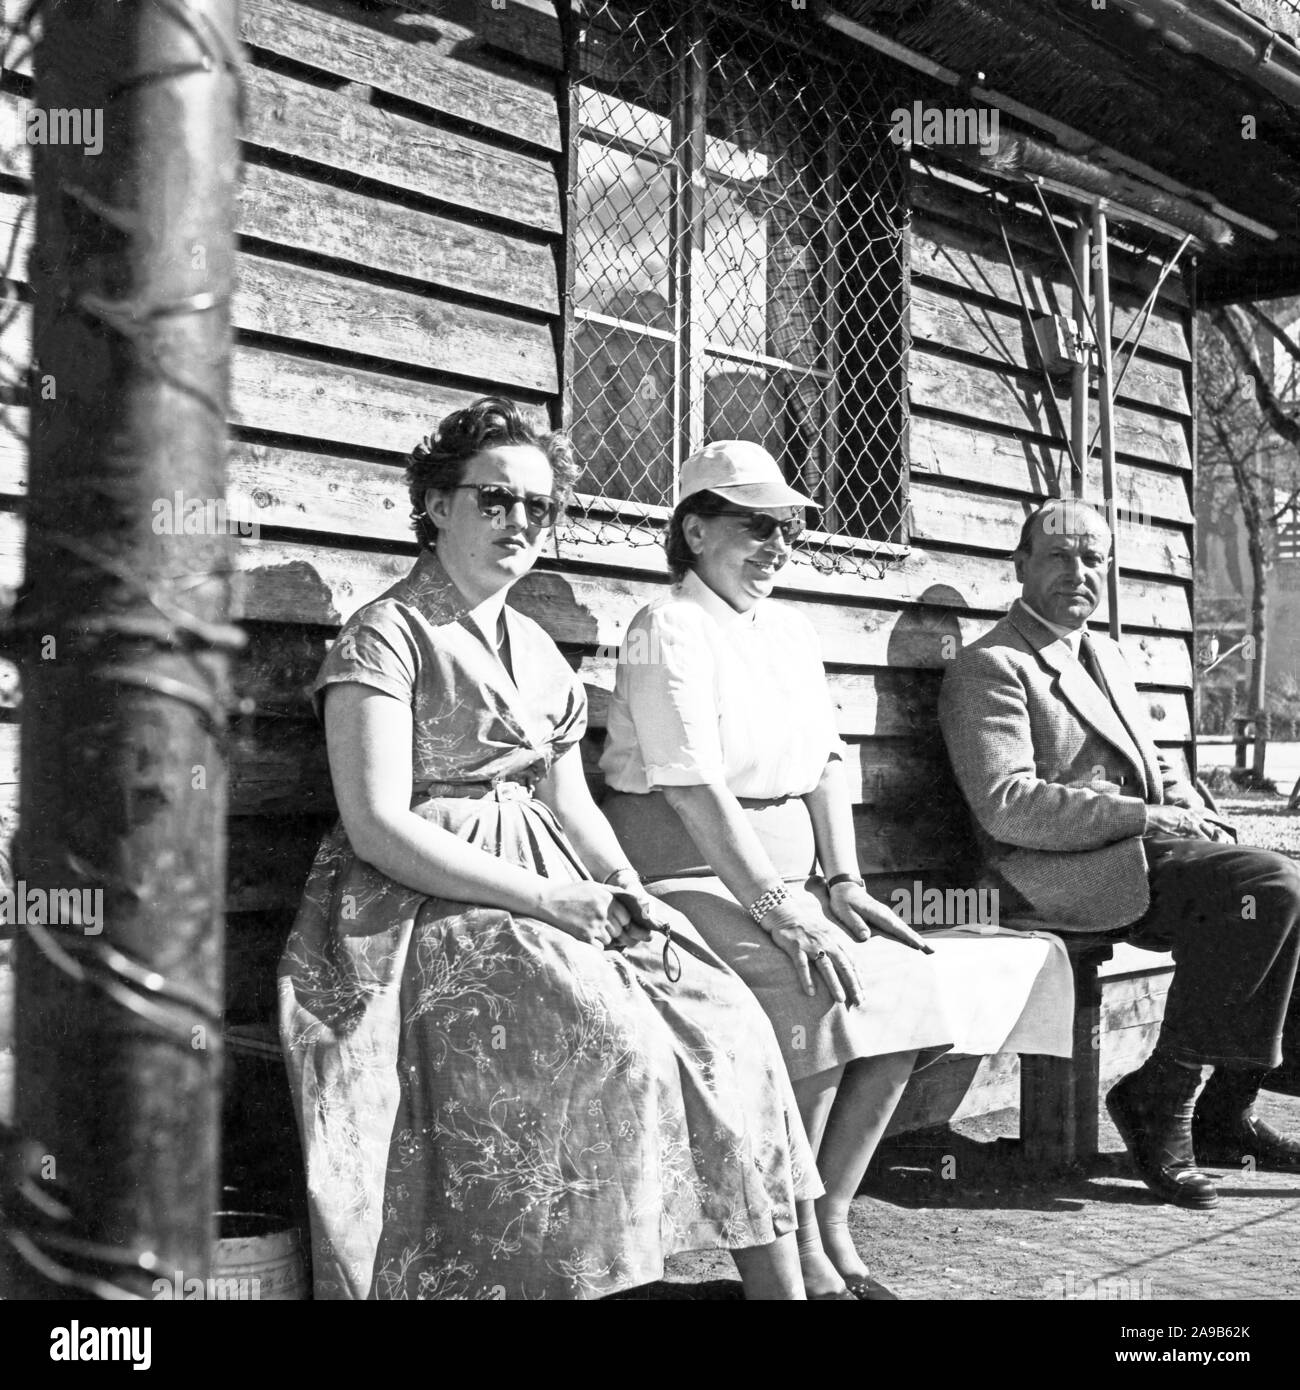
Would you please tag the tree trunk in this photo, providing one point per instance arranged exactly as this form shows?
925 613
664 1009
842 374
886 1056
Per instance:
1257 700
122 625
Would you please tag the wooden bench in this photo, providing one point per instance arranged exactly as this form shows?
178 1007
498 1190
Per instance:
282 801
1059 1096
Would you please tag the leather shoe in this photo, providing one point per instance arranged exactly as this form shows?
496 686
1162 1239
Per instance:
1249 1141
1152 1109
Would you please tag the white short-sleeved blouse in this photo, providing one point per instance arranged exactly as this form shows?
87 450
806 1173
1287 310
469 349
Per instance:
704 693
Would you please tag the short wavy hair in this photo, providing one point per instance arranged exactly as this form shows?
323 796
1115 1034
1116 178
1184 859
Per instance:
680 556
439 461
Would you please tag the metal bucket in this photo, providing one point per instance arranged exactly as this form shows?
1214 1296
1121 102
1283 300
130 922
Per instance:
257 1256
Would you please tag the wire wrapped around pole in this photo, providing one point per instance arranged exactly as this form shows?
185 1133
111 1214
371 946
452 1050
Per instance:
122 631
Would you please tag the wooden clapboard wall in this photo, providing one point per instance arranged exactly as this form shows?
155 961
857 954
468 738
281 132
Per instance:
402 245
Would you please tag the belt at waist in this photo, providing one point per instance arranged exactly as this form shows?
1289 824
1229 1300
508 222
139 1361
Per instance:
660 846
503 789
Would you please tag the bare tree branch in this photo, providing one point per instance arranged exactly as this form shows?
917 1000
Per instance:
1289 505
1274 330
1283 424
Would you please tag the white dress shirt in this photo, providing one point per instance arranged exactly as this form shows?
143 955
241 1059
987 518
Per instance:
1071 636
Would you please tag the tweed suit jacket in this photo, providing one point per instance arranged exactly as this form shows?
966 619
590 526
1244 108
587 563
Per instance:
1057 778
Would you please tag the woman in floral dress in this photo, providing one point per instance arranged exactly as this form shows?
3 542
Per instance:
502 1089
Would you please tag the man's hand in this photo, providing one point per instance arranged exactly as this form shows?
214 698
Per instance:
1184 824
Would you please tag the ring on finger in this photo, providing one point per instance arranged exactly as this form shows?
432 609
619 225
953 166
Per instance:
821 955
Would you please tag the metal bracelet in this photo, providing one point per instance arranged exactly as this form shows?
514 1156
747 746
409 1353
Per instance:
763 904
846 878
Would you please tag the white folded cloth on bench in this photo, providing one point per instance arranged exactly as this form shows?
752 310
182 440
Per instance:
1005 991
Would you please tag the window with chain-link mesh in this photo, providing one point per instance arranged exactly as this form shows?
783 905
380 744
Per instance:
737 266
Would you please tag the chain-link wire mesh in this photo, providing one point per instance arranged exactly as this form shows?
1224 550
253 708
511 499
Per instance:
738 266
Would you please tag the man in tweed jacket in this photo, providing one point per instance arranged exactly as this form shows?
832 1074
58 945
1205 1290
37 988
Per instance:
1083 826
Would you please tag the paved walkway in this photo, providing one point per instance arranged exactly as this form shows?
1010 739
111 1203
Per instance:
951 1219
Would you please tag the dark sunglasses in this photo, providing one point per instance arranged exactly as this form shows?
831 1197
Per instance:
496 503
762 526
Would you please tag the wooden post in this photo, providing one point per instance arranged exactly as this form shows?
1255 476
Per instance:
1106 401
1059 1096
121 622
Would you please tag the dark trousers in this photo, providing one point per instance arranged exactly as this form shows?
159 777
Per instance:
1231 917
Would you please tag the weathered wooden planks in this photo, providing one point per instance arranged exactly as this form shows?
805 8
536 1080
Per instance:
303 304
344 134
436 65
525 29
960 260
286 581
292 581
945 448
305 214
339 132
965 213
934 578
299 489
281 660
958 517
285 393
1000 336
1014 400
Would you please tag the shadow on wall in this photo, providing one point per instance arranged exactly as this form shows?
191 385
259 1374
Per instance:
923 644
928 635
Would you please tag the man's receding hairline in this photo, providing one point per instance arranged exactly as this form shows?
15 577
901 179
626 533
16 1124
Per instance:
1033 523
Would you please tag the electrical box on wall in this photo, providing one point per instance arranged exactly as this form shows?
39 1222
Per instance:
1062 343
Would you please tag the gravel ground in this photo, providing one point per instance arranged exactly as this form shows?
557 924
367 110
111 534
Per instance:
952 1215
1262 819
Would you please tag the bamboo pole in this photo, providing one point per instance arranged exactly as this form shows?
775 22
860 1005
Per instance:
1106 400
121 622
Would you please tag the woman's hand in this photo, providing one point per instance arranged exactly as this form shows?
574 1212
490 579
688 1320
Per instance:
591 912
811 941
860 915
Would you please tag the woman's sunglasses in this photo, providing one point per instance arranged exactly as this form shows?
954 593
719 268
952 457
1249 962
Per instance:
762 526
496 503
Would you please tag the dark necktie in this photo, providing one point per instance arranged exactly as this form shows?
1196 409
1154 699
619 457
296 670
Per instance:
1088 660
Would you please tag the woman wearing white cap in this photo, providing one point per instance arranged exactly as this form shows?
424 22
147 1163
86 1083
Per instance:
727 787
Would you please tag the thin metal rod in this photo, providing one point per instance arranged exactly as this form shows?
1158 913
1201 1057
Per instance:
1106 401
1082 314
1065 255
1051 404
1140 324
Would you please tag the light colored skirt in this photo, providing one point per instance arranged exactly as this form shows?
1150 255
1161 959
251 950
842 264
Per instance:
492 1109
974 995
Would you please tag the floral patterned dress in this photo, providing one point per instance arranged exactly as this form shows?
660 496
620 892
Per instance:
489 1107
